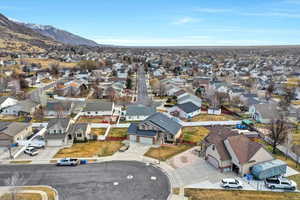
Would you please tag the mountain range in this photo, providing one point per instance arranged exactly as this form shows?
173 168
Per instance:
24 37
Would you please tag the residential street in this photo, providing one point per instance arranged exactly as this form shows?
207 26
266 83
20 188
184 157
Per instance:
142 93
96 181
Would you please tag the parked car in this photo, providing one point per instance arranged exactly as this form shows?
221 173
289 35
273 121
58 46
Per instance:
280 183
231 183
31 151
37 144
68 162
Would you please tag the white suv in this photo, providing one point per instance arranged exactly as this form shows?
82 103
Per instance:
31 151
280 183
231 183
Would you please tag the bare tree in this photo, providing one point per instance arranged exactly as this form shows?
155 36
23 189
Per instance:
279 130
14 182
269 91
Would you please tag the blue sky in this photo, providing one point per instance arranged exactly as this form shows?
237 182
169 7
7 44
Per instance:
167 22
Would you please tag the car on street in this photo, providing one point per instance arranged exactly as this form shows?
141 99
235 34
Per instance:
280 183
68 162
231 183
31 151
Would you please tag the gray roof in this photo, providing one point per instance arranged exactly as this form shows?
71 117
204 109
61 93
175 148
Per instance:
98 105
3 98
267 110
165 123
189 97
188 107
63 122
139 110
13 128
54 105
78 127
27 105
133 129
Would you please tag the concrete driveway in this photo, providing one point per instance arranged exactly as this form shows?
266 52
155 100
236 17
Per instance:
44 154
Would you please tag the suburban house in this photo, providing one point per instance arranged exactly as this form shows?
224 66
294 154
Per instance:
25 107
11 132
190 98
57 132
58 108
157 127
264 112
229 151
6 101
186 110
138 112
80 131
98 108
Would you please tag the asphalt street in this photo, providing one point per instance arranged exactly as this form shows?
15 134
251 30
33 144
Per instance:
115 180
142 93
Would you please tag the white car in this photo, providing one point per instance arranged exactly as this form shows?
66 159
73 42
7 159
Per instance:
37 144
280 183
31 151
231 183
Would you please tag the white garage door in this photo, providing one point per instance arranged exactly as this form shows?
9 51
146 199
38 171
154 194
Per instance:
146 140
54 143
132 138
214 162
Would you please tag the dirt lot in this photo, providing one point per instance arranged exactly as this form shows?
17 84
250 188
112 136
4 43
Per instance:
90 149
165 152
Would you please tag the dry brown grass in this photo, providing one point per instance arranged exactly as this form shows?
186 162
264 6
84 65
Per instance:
50 193
207 117
20 161
90 149
47 62
22 196
176 191
207 194
98 131
165 152
89 120
194 134
296 102
118 132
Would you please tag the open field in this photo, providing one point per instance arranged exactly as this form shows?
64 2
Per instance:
90 149
194 134
165 152
47 62
98 131
207 194
118 132
207 117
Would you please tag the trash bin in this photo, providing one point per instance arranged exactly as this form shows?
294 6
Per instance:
83 162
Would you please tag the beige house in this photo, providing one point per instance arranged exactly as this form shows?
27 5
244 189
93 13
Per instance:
229 151
11 132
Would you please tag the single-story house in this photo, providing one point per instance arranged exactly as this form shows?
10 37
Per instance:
138 112
26 107
58 108
98 108
186 110
229 151
190 98
11 132
57 132
157 127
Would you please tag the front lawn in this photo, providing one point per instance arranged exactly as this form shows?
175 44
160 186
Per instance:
90 149
22 196
194 134
207 117
165 152
50 192
98 131
118 132
89 120
211 194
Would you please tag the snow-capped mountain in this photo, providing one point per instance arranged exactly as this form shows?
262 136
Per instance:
60 35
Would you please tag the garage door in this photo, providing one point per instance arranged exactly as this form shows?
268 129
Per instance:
146 140
214 162
132 138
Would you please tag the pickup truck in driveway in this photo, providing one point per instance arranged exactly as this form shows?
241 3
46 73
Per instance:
68 162
280 183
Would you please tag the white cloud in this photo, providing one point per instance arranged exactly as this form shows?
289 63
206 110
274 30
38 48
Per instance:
213 10
186 20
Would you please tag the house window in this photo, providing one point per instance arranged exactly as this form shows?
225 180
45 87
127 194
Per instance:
96 113
79 135
54 131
